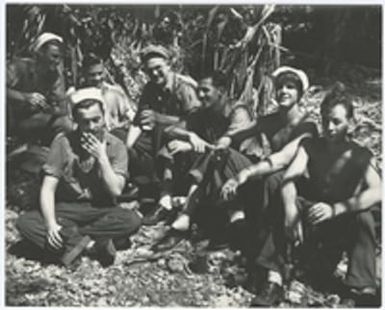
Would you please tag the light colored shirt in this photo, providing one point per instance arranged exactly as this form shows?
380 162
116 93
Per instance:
76 180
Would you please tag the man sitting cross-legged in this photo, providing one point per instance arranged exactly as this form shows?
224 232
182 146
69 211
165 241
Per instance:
84 174
337 187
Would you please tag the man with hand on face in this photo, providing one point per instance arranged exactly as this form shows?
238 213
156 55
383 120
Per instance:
119 111
84 174
331 210
36 101
167 99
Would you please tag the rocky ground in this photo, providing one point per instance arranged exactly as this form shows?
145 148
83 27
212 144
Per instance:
187 276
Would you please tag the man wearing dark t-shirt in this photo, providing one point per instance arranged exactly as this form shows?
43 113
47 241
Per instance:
205 132
290 125
166 100
333 209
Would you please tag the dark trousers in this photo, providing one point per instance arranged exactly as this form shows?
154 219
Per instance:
261 200
354 233
43 126
142 158
78 220
210 172
144 163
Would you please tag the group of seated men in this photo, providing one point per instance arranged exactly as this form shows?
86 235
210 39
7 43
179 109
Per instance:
311 191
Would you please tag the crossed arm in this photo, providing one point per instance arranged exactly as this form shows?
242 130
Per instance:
273 163
321 211
185 140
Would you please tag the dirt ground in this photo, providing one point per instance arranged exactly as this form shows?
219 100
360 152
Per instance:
186 276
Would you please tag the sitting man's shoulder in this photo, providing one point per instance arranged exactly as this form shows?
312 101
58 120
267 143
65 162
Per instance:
113 88
22 61
185 80
113 140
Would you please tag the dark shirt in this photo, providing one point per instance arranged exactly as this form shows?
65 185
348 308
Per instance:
76 183
211 126
334 174
276 131
24 75
279 134
177 98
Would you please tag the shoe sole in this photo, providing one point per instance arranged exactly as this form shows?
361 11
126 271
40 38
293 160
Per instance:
69 257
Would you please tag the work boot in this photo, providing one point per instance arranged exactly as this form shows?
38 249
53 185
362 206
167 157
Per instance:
160 214
105 252
270 295
70 256
366 297
172 238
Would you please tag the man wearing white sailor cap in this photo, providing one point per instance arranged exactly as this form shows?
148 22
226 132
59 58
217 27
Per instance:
85 172
36 101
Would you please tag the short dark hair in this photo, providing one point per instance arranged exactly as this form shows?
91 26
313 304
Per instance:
337 95
90 60
292 77
218 78
85 104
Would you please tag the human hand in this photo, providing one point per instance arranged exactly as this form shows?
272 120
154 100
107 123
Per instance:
177 146
53 236
229 189
36 100
147 119
198 144
93 146
223 143
319 212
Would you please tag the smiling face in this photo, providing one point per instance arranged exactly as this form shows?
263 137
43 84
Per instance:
208 94
50 57
95 75
335 123
158 70
287 94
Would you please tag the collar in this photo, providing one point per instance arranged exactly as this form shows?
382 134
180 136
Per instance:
170 82
227 109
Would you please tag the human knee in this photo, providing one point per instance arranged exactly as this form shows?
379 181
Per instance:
136 219
365 221
24 222
132 221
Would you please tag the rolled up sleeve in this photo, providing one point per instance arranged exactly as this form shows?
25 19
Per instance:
57 157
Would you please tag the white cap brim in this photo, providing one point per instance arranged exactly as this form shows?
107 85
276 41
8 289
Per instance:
301 75
44 38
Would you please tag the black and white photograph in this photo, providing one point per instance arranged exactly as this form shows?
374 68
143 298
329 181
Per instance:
213 155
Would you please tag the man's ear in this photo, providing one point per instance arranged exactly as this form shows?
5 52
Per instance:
223 91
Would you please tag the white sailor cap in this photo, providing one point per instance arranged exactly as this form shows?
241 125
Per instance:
301 75
88 93
44 38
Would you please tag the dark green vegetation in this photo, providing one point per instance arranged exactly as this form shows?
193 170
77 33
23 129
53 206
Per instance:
200 37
